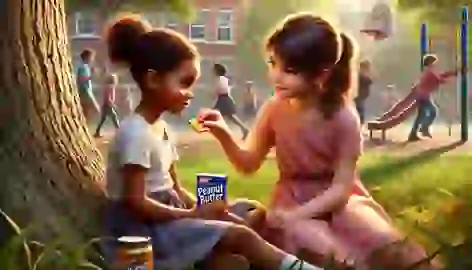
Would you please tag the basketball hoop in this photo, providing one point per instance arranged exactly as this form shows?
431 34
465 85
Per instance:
379 22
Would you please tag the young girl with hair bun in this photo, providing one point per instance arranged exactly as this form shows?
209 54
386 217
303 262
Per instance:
319 203
145 196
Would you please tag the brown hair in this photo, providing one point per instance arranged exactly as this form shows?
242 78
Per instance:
112 79
133 42
310 45
219 69
365 64
429 59
86 54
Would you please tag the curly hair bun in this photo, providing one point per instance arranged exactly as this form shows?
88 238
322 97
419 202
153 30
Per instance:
122 37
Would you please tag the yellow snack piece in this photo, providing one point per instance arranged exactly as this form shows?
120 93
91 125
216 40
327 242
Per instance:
194 124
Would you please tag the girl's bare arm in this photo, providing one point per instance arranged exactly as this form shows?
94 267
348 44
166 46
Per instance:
248 157
140 204
184 194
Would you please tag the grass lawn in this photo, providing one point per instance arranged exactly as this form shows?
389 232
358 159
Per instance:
427 193
428 188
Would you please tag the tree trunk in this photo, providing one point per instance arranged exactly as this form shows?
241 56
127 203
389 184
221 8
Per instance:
51 171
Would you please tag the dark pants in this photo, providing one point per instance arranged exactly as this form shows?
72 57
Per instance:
360 107
427 112
108 110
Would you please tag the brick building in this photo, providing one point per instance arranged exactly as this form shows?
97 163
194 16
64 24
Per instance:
214 30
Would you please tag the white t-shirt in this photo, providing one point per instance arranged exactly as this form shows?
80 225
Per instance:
140 143
222 86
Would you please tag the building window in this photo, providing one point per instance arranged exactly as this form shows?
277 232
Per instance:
166 20
85 24
224 25
197 28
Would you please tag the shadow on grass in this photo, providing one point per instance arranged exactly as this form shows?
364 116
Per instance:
378 174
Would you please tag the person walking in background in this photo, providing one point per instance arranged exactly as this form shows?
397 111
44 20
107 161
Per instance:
250 102
84 84
224 101
365 82
108 106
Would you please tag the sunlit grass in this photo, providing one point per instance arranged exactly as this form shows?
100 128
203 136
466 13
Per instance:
427 194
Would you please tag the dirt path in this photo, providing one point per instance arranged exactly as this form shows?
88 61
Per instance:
396 142
190 143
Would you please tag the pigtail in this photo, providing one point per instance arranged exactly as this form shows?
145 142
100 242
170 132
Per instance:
339 84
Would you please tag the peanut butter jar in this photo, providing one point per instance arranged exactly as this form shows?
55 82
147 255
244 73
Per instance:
134 253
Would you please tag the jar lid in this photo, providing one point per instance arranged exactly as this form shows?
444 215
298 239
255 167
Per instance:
134 240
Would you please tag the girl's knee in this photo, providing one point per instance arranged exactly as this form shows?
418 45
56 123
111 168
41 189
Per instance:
322 239
236 239
237 235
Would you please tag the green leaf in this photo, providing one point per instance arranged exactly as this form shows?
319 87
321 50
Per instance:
108 7
16 249
261 17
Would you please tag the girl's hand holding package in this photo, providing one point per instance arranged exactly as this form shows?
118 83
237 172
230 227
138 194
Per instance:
211 211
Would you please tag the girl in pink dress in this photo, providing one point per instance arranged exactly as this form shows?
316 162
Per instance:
319 204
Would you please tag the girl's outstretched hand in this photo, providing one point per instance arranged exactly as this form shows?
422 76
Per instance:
212 121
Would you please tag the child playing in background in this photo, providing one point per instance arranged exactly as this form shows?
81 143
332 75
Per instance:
365 82
428 83
108 106
84 85
250 102
319 204
144 191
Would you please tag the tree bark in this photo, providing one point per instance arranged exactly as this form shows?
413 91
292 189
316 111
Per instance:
51 171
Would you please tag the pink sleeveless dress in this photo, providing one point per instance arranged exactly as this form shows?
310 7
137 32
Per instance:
306 156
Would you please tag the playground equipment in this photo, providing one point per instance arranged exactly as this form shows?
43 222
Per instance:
379 23
401 110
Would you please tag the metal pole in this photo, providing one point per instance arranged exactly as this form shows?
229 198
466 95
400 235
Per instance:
423 43
464 35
